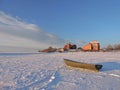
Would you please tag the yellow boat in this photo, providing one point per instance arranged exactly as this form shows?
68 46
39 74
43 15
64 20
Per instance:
75 64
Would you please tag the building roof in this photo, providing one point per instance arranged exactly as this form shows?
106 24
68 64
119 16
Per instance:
94 41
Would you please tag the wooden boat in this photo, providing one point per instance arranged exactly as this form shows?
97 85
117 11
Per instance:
75 64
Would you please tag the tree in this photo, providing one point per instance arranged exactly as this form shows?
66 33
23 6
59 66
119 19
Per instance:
117 46
109 48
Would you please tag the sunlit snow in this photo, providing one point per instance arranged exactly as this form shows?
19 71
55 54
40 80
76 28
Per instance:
47 71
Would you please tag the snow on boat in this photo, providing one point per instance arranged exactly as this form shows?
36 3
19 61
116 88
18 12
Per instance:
75 64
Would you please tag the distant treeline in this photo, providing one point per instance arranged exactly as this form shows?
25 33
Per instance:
112 47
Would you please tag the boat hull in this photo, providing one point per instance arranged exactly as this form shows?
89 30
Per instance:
75 64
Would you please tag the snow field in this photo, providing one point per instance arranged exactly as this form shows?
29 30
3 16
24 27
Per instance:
47 71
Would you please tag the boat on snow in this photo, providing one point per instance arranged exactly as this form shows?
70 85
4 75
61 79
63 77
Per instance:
75 64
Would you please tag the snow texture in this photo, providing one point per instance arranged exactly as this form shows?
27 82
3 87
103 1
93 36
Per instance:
47 71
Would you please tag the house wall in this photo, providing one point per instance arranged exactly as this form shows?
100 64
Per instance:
67 47
87 47
92 47
96 46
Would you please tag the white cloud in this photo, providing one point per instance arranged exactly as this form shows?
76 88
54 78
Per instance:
16 33
12 22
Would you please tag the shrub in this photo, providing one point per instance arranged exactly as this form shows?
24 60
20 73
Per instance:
109 48
117 47
112 47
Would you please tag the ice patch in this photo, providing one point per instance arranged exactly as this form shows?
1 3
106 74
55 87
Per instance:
115 75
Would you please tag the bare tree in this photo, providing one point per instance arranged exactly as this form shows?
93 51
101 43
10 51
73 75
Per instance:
109 48
117 47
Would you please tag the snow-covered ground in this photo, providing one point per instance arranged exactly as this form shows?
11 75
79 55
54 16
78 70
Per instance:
47 71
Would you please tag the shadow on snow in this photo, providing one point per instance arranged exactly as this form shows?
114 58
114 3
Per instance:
109 66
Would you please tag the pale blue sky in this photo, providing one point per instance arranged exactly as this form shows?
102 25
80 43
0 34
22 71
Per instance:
71 20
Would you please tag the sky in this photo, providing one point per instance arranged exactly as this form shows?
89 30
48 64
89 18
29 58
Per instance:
20 36
72 20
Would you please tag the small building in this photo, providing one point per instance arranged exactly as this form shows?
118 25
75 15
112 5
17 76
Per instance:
92 46
67 46
70 46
